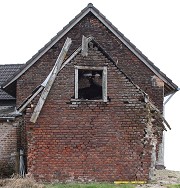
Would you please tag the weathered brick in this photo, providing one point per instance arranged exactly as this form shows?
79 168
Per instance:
90 140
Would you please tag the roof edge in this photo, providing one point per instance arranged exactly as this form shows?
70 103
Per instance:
135 50
112 28
47 46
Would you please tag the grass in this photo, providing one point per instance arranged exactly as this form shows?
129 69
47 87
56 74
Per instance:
174 186
17 182
91 185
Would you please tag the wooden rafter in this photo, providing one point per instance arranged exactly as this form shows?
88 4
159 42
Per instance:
158 112
85 42
39 89
29 99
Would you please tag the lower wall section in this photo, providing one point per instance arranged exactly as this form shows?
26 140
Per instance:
93 146
9 142
95 160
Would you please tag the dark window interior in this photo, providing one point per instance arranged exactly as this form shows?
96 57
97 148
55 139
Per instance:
90 84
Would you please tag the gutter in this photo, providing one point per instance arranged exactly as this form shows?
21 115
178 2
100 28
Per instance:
168 99
11 116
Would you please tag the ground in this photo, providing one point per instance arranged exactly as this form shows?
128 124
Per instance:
161 179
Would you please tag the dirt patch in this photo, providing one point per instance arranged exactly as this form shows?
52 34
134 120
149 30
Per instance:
162 178
17 182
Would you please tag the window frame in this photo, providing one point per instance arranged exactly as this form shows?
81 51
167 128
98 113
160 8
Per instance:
104 81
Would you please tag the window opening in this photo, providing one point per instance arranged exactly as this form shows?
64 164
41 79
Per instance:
91 83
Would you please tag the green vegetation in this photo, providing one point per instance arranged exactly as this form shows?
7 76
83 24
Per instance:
174 186
126 186
91 185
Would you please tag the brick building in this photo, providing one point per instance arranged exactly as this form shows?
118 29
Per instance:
92 113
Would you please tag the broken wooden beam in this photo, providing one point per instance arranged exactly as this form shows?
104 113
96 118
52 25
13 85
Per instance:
158 112
74 54
85 43
29 99
50 80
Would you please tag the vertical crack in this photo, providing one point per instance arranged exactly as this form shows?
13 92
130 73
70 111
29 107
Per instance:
149 142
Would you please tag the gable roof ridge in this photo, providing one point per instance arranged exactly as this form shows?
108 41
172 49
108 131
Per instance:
112 28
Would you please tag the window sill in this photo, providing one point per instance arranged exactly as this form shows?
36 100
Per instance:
86 101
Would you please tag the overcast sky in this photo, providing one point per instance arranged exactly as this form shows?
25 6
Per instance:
152 25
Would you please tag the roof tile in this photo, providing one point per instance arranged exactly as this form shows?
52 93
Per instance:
6 72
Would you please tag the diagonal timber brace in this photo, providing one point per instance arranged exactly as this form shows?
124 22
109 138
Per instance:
30 98
158 112
85 42
41 87
50 80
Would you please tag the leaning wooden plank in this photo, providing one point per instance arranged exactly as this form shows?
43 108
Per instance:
50 80
74 54
71 57
166 123
159 113
85 42
29 99
160 121
59 59
104 83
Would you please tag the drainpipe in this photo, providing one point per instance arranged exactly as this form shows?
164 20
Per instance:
7 118
160 161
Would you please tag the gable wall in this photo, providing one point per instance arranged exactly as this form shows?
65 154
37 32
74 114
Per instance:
90 141
61 146
127 61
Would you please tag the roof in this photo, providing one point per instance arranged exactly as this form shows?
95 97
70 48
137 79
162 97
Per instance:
170 86
7 112
6 72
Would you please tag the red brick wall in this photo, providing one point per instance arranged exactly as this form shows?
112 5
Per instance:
9 139
91 140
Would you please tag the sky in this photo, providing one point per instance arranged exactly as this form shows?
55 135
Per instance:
152 25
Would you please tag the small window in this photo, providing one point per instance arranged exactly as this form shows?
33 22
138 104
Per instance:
91 83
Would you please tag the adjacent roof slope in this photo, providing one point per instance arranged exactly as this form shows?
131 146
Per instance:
6 72
170 86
